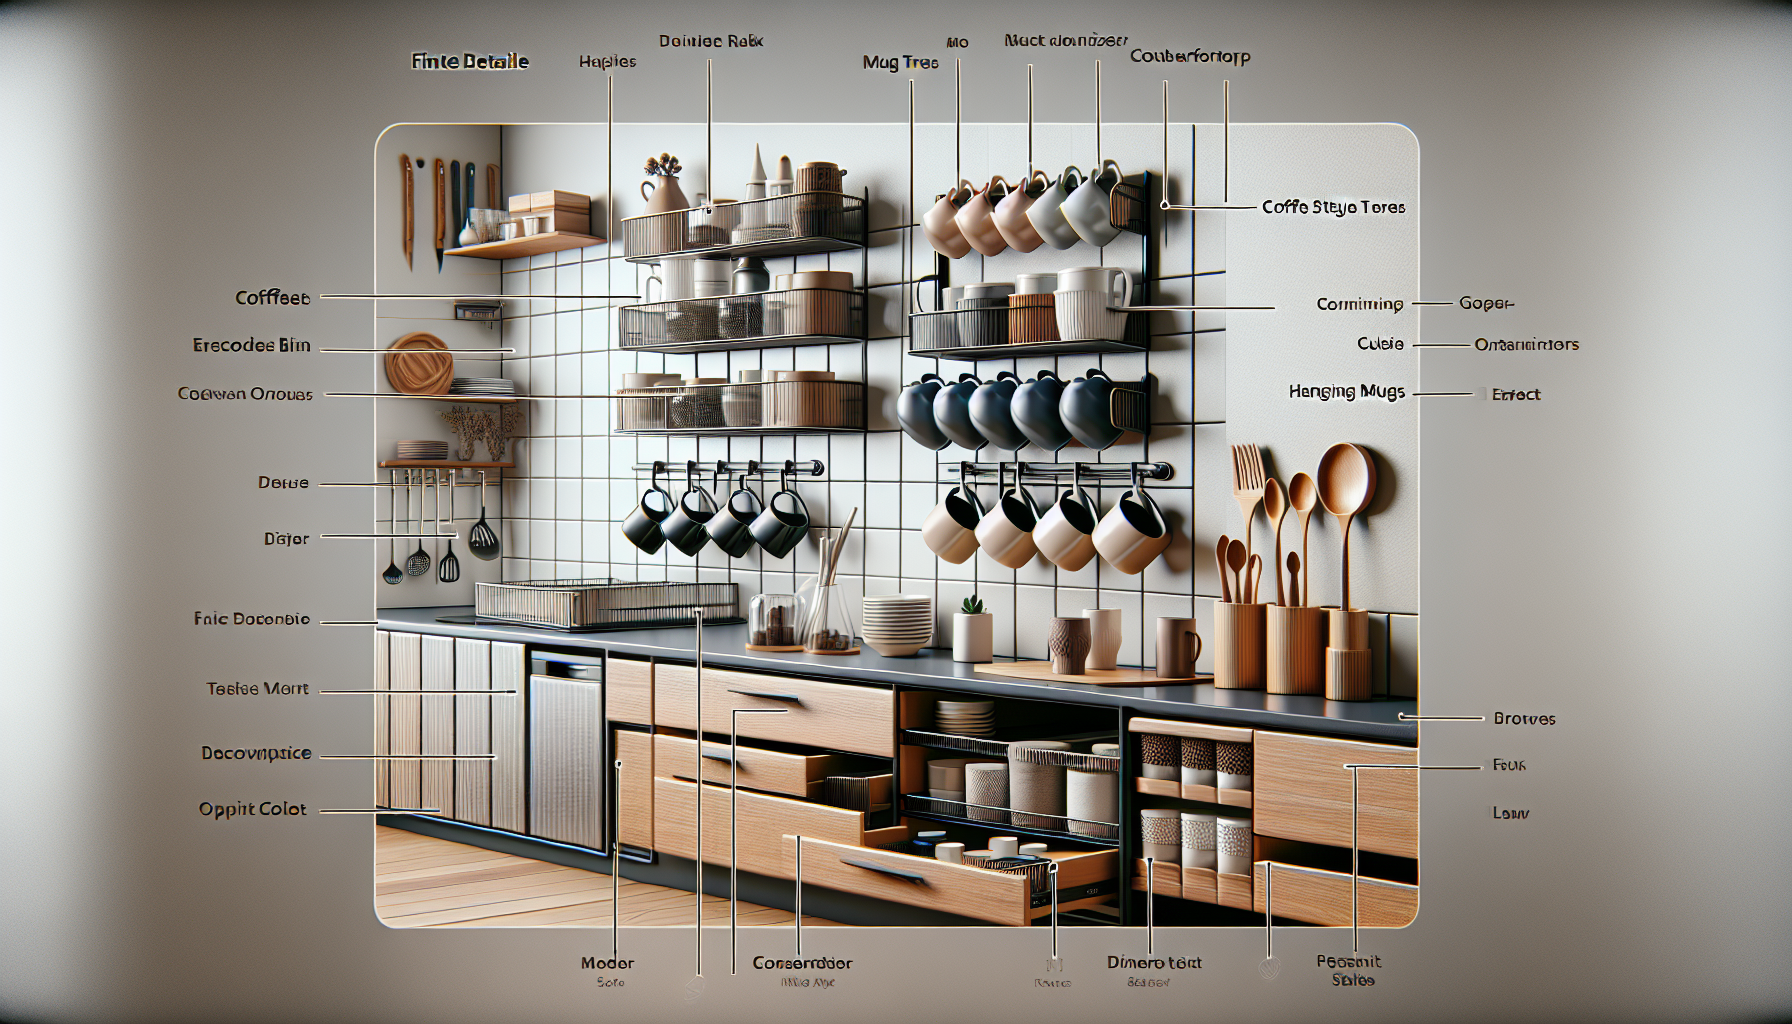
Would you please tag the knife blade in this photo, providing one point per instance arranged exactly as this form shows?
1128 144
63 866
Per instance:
441 170
410 213
454 202
466 213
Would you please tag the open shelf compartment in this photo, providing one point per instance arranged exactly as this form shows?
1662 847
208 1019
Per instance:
797 224
790 317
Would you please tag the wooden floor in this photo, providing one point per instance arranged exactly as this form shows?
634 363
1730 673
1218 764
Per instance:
423 882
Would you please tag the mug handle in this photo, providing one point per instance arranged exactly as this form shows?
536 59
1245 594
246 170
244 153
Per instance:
1197 651
1040 178
1119 175
1070 173
651 279
989 190
1125 280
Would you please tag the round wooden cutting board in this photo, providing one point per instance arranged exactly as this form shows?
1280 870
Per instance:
420 374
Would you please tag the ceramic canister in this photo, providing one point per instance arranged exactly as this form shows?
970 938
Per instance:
1200 841
1197 762
1158 756
1234 841
1038 788
1092 798
1232 764
987 785
1160 833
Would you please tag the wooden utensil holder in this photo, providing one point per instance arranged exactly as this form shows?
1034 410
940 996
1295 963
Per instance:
1238 635
1296 656
1032 318
1347 657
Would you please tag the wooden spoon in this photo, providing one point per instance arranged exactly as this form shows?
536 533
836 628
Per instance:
1293 575
1219 554
1237 558
1303 495
1275 506
1253 574
1346 481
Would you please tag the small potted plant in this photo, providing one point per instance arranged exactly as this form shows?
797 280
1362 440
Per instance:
973 633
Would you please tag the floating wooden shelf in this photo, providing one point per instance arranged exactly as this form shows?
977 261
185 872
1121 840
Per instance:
1199 794
442 464
482 399
528 245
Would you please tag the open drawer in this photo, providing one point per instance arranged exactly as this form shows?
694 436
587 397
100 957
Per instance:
1084 879
764 821
773 771
1323 897
838 716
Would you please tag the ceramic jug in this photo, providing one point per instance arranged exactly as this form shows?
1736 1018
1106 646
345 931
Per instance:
665 233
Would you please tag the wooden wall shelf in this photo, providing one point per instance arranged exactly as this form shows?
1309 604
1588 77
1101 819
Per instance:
528 245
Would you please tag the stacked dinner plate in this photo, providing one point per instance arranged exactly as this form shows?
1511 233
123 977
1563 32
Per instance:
897 625
482 386
965 717
423 449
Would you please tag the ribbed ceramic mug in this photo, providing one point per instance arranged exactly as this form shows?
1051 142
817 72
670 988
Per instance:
950 530
940 224
1065 534
1068 644
976 218
1083 311
1047 216
1133 533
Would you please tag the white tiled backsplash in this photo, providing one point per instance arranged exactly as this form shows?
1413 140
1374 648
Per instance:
574 483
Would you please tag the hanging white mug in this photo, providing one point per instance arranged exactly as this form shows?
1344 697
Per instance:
1087 209
1046 214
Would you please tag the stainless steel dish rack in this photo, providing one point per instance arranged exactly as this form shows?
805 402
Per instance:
582 606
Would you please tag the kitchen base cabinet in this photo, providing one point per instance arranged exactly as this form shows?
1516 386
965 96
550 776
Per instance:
1303 792
438 724
834 716
382 718
1323 897
472 731
634 788
508 804
764 821
405 717
486 793
628 690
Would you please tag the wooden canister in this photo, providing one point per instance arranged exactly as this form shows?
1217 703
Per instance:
1347 674
1349 630
1032 318
1296 649
1238 646
818 200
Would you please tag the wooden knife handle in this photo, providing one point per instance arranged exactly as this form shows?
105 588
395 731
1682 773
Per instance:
441 203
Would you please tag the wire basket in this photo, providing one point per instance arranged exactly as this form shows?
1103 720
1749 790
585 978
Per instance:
725 321
579 606
783 406
815 221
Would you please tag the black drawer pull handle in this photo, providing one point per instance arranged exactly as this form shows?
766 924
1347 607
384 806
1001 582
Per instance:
871 865
788 698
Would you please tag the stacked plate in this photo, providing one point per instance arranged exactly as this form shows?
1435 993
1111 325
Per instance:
897 625
423 449
965 717
482 386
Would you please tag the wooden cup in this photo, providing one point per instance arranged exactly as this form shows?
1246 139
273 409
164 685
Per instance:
1238 634
1296 655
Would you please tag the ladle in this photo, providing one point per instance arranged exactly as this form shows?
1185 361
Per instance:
482 540
1303 496
449 569
1236 558
393 573
1275 506
1346 482
418 563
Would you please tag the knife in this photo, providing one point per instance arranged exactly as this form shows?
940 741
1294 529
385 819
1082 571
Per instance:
410 213
454 202
441 210
466 213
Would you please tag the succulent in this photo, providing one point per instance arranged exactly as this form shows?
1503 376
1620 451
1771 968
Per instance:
665 164
973 605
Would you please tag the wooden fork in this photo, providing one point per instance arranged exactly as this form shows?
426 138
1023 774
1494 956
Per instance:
1247 485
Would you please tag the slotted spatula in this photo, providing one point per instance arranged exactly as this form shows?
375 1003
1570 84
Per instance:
483 540
448 570
418 563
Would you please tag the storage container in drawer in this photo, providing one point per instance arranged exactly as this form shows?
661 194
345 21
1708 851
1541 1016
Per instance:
1323 897
952 888
771 771
1303 792
634 788
764 821
839 716
629 690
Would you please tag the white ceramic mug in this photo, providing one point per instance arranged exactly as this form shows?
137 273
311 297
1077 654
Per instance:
1011 213
976 219
1065 534
1004 846
940 224
1035 284
677 278
1046 214
1087 209
1084 300
1104 637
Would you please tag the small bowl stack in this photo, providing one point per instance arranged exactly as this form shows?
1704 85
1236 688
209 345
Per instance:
423 450
897 625
965 717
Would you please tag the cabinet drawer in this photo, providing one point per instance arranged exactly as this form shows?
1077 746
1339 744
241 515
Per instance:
770 771
764 821
629 686
1323 897
634 788
953 888
840 716
1303 792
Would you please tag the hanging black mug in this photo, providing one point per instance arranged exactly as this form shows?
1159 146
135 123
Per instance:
779 531
642 525
732 528
687 526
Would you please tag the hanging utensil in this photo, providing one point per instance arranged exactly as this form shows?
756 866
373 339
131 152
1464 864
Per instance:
441 177
454 204
1219 555
448 570
482 540
1275 506
410 205
1247 485
1236 559
418 563
1346 481
466 218
1303 495
393 573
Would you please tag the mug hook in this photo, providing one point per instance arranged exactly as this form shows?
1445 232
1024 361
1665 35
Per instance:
653 478
1137 491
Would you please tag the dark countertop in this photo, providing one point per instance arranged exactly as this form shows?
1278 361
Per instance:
725 646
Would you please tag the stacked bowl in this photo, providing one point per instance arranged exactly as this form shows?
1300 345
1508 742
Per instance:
897 625
965 717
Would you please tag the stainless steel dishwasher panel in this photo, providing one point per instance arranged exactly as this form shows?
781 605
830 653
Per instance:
567 759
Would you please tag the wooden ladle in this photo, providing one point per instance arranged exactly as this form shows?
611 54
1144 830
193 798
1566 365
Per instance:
1303 495
1219 554
1275 506
1346 482
1236 558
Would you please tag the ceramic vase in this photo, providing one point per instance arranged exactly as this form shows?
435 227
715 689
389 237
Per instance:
1068 643
973 638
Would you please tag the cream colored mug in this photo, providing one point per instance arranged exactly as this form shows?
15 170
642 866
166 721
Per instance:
940 224
1011 213
950 530
976 218
1133 533
1006 533
1065 533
